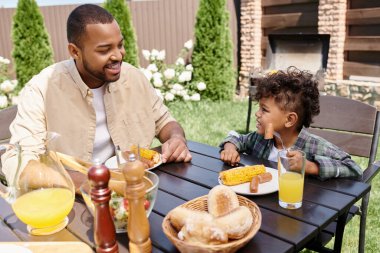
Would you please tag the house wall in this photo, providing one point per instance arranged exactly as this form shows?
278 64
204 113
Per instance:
354 27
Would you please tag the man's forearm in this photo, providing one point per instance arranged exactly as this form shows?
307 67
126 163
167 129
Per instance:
171 129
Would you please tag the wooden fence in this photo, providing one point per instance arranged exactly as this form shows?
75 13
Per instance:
362 46
159 24
167 24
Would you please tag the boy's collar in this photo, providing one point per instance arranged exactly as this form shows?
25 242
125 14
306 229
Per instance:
302 136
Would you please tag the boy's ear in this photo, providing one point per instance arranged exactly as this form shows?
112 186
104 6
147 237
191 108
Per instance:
74 51
291 119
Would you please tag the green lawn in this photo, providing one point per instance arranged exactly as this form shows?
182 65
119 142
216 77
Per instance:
209 122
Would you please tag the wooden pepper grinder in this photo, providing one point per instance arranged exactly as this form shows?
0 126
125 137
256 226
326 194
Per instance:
138 224
104 228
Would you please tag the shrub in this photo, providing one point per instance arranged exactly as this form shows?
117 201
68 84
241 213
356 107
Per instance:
212 56
172 81
120 10
32 50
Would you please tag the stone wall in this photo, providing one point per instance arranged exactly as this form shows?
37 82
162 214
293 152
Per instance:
251 34
332 20
367 92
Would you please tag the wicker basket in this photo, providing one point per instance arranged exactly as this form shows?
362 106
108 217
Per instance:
232 245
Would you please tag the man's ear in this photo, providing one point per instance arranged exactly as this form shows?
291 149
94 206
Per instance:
291 119
74 51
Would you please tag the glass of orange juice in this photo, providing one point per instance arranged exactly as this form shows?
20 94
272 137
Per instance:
41 192
291 172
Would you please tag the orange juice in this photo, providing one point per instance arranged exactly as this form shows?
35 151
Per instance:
45 207
290 187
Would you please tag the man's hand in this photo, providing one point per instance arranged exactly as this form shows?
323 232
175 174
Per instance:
175 150
230 155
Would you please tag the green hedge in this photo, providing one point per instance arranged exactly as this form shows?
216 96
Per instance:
212 56
32 48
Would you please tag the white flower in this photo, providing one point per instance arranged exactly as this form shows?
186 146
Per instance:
157 82
147 73
183 93
201 86
146 54
169 73
180 61
159 93
173 91
184 76
196 97
177 87
8 86
4 60
152 67
169 96
157 75
3 101
154 54
189 67
161 55
188 44
186 97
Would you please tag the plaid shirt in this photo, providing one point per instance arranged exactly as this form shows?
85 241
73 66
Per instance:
332 161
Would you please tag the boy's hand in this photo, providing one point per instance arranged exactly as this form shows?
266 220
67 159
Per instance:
296 163
230 155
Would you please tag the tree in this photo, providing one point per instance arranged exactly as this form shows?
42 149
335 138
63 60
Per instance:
120 10
32 50
212 57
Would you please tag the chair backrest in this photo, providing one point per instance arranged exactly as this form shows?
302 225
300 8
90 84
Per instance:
6 117
349 124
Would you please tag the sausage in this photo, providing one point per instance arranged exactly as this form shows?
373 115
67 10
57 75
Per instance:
254 184
265 177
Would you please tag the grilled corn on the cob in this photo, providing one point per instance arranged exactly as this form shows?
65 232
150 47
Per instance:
146 153
241 175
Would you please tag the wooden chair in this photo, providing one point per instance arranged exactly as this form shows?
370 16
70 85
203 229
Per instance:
6 117
354 127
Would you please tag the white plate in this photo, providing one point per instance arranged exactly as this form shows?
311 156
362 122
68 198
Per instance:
265 188
111 163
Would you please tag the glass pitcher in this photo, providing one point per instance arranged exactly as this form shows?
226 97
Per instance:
40 190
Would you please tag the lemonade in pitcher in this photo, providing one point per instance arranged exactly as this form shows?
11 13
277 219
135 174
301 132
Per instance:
54 204
41 192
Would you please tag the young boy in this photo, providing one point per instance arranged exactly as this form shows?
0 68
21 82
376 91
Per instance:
289 100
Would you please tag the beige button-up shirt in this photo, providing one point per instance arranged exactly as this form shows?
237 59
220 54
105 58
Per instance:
58 100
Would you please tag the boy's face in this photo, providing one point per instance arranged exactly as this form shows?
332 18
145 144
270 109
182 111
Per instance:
270 112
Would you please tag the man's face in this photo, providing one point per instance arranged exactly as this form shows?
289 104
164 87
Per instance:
100 55
270 112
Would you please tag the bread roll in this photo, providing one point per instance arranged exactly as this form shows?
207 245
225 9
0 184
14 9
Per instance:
237 223
198 230
179 215
221 200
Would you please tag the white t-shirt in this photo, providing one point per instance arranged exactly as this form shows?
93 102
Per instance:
273 154
103 145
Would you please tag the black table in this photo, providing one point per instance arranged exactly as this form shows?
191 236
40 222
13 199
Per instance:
281 230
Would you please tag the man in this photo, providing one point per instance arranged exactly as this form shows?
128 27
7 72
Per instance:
94 100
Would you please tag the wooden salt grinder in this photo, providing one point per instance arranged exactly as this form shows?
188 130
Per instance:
104 228
138 224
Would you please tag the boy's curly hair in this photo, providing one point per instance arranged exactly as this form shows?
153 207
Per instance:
293 90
